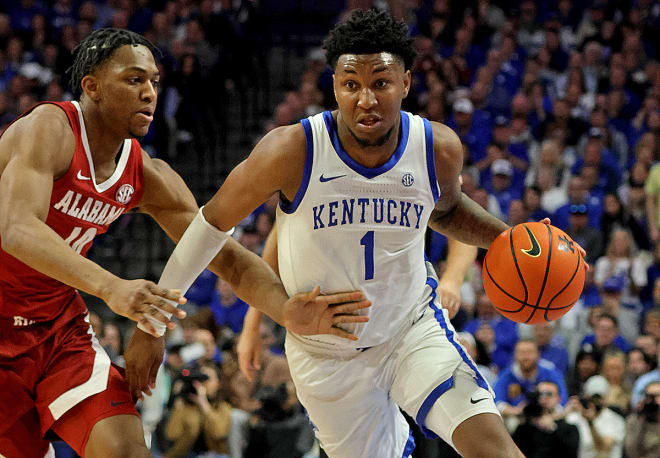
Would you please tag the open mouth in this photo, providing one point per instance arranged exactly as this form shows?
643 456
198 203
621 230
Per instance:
369 122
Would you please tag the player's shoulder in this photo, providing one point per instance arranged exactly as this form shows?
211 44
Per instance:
445 138
157 174
43 136
45 119
284 139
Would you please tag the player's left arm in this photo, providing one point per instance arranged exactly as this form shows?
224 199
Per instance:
455 214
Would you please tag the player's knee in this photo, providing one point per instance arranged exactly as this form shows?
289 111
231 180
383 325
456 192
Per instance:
485 436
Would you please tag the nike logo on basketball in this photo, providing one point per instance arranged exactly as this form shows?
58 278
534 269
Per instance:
80 176
472 401
115 404
535 250
324 179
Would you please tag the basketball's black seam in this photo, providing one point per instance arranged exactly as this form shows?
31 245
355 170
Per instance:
515 261
545 315
523 303
545 277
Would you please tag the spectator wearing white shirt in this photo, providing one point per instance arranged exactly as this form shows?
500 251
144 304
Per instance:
602 430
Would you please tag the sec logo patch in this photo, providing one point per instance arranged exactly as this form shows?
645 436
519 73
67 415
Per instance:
407 180
124 193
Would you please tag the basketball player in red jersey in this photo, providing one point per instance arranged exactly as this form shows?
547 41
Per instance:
68 170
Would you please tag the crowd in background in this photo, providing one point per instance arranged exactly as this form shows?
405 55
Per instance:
557 104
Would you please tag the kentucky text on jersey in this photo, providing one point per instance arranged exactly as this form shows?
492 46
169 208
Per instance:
92 210
379 211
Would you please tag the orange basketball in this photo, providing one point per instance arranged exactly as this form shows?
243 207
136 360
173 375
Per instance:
533 273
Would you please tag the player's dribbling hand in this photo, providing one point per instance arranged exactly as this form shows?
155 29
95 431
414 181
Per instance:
310 313
249 352
581 250
143 357
134 299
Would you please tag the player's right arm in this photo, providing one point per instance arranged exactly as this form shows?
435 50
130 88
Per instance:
275 165
34 151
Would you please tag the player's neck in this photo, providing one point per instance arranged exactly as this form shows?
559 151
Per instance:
104 142
368 156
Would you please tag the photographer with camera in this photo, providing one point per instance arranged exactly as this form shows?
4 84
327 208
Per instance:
543 432
279 428
200 418
643 426
601 429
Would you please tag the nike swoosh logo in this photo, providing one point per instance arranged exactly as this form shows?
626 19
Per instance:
535 250
80 176
324 179
472 401
115 404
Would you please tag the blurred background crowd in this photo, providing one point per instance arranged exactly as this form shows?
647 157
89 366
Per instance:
557 105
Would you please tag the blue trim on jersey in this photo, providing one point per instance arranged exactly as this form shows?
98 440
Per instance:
428 403
307 172
435 394
368 172
430 159
410 445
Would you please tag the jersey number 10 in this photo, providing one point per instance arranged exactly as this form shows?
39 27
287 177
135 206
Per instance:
78 241
368 242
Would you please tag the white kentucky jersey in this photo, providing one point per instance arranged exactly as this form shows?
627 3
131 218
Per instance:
351 227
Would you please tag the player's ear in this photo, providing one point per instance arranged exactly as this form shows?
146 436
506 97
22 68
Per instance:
90 86
334 85
406 83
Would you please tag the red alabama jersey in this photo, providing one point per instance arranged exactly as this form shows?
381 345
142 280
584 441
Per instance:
80 209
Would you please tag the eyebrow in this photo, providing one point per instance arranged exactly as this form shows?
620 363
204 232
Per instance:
379 69
135 68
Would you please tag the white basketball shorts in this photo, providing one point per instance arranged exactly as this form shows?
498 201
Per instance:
353 396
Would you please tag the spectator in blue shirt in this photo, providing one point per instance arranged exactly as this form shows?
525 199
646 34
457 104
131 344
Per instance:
202 290
516 382
474 135
578 195
501 184
532 201
228 309
596 155
551 346
606 335
501 341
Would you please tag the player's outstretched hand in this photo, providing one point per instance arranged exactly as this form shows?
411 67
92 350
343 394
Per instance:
143 357
450 296
134 299
249 352
310 313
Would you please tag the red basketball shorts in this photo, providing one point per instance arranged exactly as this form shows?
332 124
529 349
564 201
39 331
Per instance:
66 384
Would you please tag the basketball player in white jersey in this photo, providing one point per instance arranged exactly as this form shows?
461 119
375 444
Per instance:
249 346
357 189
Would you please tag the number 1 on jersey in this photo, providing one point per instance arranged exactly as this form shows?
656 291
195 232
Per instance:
368 242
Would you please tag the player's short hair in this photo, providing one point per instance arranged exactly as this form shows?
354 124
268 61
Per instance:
97 48
370 32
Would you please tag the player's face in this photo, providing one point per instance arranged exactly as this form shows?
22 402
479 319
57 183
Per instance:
129 82
369 89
